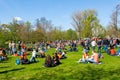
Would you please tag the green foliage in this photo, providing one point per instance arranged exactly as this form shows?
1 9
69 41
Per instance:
84 23
3 37
71 34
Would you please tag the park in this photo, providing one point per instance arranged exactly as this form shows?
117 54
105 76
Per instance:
60 40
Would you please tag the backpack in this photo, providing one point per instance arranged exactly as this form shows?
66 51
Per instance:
17 61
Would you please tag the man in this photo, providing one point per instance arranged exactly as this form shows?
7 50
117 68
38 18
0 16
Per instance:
94 58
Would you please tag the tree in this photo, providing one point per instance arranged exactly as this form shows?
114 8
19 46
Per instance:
98 30
28 30
83 22
44 26
71 34
110 31
114 20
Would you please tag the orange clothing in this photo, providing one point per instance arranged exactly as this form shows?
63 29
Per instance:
85 55
23 56
59 56
15 55
112 51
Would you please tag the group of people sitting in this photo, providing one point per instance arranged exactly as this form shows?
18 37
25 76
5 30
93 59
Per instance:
25 60
51 62
113 52
3 55
94 58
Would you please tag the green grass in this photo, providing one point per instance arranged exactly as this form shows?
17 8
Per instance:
68 70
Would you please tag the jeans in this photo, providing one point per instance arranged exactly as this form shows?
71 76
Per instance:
91 61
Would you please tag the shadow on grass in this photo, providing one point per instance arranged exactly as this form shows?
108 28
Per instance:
6 71
5 67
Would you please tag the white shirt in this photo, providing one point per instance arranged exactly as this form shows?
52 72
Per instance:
34 53
93 43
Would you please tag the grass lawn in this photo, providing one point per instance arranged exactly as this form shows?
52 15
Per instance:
68 70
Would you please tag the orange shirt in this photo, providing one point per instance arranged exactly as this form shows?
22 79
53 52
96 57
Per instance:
15 55
112 51
59 56
85 55
23 56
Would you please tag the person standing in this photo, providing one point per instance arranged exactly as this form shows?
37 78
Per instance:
10 47
93 44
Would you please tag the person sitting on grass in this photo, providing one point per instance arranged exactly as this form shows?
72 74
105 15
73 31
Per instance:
15 54
48 61
32 59
70 50
56 60
3 55
112 51
118 52
23 59
94 58
59 55
63 55
19 52
108 51
42 53
84 57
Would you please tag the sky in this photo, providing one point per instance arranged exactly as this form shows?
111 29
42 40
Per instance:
58 11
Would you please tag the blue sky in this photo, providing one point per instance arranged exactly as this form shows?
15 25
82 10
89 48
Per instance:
58 11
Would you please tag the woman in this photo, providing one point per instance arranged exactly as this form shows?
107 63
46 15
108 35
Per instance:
94 58
56 59
84 57
48 61
23 59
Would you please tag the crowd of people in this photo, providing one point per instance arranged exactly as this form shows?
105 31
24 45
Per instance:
93 46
